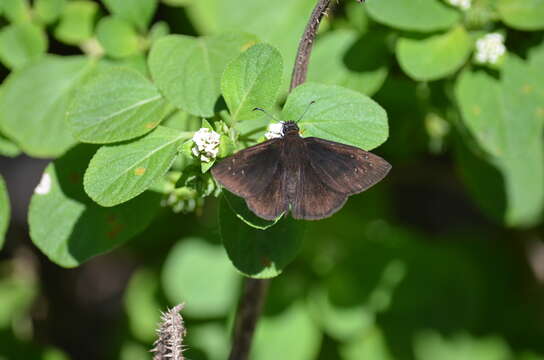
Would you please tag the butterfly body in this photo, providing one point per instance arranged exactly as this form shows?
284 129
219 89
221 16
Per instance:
311 177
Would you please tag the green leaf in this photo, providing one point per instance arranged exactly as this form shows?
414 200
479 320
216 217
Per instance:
139 13
141 304
34 101
70 228
278 23
505 117
117 37
436 56
239 207
16 11
259 253
212 338
415 15
430 345
8 148
522 14
252 80
188 70
293 331
199 274
338 114
115 104
21 43
117 173
177 2
4 210
77 22
369 345
48 11
345 58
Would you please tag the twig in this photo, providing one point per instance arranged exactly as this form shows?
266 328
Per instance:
251 303
248 313
306 44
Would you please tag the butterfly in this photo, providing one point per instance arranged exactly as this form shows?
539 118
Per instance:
310 177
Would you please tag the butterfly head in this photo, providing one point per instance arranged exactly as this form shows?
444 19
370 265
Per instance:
290 128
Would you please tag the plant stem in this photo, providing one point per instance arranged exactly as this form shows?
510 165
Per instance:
247 315
306 44
251 303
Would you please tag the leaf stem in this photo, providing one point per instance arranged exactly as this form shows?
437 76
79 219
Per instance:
306 43
247 315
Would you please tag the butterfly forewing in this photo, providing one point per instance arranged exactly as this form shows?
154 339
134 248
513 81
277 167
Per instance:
248 172
343 168
272 201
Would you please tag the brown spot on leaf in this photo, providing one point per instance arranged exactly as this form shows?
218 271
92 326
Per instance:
476 110
527 89
139 171
151 125
247 45
115 227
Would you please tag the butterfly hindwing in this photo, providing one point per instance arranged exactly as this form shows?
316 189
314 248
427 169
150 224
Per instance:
248 172
312 199
345 169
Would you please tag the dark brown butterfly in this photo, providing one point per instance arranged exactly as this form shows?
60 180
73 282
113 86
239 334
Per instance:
310 176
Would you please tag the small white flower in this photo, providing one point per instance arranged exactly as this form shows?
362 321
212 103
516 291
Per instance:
490 48
44 186
206 144
274 131
461 4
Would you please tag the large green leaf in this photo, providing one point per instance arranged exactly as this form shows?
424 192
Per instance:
21 43
17 11
345 58
522 14
436 56
138 12
200 275
4 210
252 80
34 101
255 252
293 331
338 114
8 148
117 173
115 104
117 37
188 70
69 227
505 118
279 23
413 15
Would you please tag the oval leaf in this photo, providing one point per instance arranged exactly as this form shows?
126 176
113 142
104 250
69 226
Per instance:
434 57
115 104
259 253
138 12
188 70
21 43
118 173
34 101
200 274
415 15
117 37
252 80
338 114
4 210
69 227
522 14
345 58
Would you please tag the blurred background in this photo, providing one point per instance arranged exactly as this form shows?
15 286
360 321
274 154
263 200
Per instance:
442 260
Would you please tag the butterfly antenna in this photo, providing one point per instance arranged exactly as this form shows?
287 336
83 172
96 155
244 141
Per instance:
305 111
266 113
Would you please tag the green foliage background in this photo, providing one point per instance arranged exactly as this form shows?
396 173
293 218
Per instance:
442 260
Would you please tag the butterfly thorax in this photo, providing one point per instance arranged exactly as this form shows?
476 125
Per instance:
290 128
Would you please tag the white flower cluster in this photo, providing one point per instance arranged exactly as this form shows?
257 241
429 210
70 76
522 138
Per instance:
206 144
461 4
490 48
274 131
